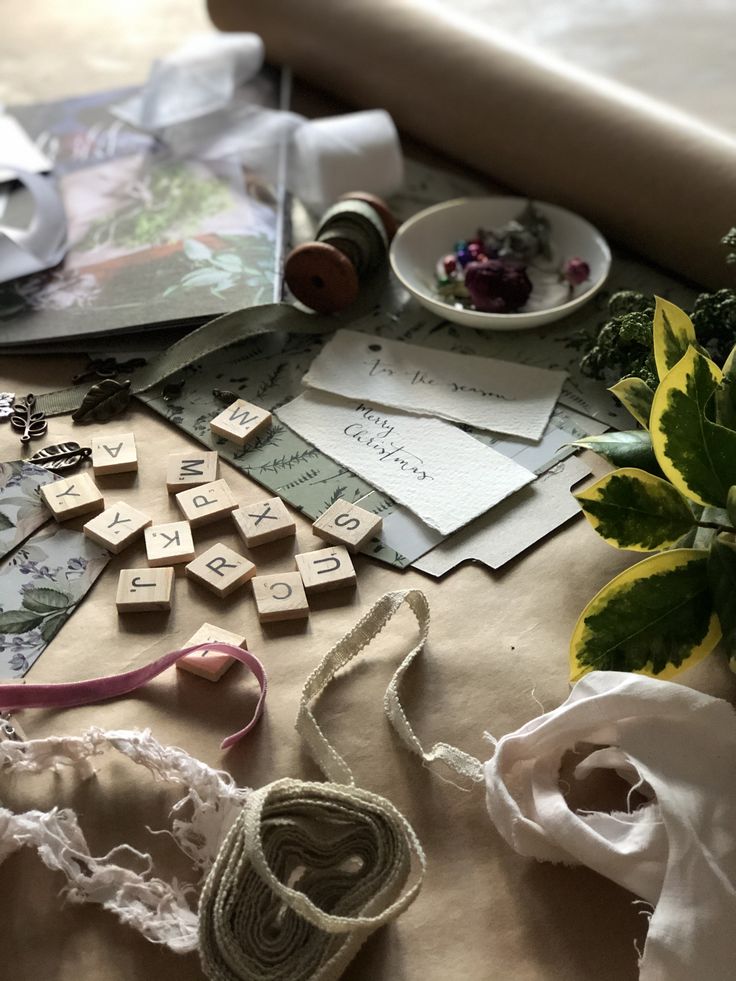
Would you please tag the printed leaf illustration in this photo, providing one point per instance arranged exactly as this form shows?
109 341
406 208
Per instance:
630 448
103 401
673 333
196 251
636 396
722 574
655 618
41 599
697 455
19 621
5 523
52 625
633 509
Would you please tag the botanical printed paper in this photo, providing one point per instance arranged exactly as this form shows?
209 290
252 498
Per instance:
445 476
21 507
501 396
41 584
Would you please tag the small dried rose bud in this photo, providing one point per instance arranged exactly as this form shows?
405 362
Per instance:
474 248
496 287
575 271
449 264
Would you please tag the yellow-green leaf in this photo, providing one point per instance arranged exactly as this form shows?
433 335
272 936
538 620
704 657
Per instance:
654 618
636 396
726 394
632 509
696 454
673 333
631 448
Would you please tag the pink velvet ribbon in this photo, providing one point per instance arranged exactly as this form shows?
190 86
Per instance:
72 693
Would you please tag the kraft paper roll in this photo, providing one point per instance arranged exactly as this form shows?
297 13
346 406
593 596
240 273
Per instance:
649 176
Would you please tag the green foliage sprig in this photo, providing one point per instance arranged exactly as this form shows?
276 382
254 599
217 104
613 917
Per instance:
674 496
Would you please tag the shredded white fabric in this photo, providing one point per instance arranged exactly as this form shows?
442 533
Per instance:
678 850
163 912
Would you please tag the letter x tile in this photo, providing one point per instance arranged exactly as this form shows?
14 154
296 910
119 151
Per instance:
169 544
264 521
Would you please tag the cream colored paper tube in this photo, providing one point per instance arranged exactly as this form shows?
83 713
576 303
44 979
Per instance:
652 178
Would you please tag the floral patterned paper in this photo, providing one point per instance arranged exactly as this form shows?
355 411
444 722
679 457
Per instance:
41 584
21 507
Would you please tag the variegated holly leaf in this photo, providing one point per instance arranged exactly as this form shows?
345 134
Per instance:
635 510
654 618
695 453
673 333
722 574
726 394
628 448
636 396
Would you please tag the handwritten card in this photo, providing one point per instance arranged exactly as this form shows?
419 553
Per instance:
445 476
501 396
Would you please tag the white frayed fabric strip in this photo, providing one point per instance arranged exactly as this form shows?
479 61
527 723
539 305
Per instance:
678 850
163 912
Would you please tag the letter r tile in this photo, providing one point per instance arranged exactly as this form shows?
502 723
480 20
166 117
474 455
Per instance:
221 569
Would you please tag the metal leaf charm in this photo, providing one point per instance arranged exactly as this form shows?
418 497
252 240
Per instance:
103 401
62 457
29 423
222 395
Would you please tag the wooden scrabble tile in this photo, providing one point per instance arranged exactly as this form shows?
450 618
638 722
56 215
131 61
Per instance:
169 544
141 590
221 569
347 524
185 470
241 422
72 496
264 521
206 503
117 527
327 568
280 597
114 454
211 665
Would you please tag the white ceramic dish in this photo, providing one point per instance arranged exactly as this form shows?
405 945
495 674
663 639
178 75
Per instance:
430 234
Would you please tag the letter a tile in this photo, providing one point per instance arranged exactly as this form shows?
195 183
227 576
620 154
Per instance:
73 496
200 505
117 527
144 590
347 524
169 544
241 422
114 454
221 569
327 568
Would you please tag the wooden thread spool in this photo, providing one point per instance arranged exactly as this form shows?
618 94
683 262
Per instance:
351 241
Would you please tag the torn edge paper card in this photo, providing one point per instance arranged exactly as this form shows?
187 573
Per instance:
513 526
444 476
487 393
18 152
43 243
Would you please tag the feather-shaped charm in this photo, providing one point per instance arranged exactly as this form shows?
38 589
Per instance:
61 457
103 401
26 420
